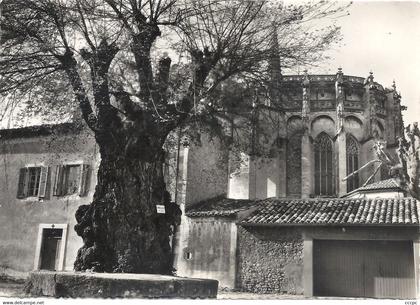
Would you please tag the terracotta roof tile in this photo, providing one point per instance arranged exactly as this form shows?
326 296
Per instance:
39 130
336 211
384 185
218 206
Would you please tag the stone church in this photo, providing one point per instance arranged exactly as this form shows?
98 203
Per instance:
295 220
327 125
283 222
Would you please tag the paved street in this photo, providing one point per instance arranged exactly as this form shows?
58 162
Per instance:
229 295
16 290
8 289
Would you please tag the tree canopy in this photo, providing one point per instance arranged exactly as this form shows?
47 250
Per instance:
114 60
106 54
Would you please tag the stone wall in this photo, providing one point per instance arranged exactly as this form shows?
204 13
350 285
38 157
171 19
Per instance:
207 172
270 260
209 251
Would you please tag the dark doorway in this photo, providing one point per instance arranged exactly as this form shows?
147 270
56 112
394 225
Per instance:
51 245
363 268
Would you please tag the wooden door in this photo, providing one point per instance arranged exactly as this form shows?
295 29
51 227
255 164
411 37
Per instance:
50 252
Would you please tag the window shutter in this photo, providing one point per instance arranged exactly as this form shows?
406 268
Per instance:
58 182
21 193
84 179
42 190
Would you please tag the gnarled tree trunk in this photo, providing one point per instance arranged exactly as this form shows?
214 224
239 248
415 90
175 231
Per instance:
121 229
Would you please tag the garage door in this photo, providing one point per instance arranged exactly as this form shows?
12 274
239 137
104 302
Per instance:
354 268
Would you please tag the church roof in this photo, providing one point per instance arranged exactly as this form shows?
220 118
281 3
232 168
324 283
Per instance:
274 211
380 185
384 185
219 206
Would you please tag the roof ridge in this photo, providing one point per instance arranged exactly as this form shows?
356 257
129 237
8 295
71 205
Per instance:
218 206
336 211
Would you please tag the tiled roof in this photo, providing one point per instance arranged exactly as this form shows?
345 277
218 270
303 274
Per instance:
388 184
391 184
336 212
219 206
383 184
39 130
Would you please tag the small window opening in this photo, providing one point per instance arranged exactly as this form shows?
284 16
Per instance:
34 174
188 255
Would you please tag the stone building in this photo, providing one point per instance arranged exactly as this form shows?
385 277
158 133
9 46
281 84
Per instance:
317 129
327 125
46 173
319 234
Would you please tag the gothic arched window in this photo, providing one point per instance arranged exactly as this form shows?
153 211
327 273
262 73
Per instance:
323 153
352 150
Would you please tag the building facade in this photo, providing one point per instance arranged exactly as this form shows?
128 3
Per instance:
318 129
320 234
47 173
326 128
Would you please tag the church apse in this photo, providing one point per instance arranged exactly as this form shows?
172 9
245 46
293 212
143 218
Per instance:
329 125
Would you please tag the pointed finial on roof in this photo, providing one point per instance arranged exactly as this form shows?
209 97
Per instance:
369 79
305 78
339 76
397 95
275 56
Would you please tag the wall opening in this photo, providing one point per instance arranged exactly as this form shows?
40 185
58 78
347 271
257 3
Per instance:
50 247
50 251
323 153
352 156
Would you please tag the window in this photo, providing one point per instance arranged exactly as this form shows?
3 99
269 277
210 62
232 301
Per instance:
324 183
71 179
383 104
32 182
349 92
34 175
188 255
352 149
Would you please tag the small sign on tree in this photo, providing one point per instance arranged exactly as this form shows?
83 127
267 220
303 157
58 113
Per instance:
160 209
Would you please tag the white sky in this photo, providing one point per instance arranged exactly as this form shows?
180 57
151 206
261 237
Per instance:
383 37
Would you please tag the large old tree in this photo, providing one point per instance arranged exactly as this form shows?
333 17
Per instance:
104 57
